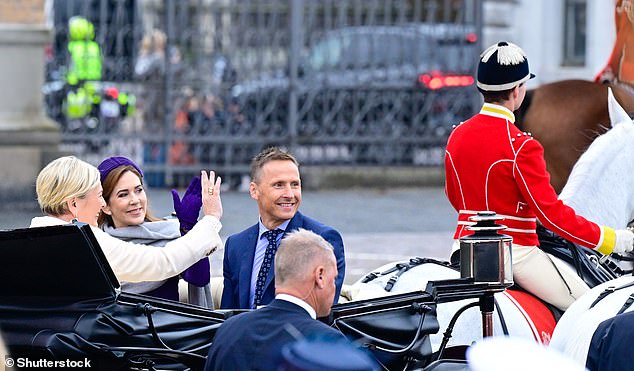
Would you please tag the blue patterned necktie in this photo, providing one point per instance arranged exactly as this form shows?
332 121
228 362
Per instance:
271 236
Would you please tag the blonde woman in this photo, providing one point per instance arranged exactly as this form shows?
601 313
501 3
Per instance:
69 189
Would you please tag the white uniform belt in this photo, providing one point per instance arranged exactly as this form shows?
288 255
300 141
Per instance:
510 217
515 230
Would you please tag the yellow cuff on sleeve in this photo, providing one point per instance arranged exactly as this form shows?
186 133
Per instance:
608 241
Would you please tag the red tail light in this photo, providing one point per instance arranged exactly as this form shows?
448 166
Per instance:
471 38
436 80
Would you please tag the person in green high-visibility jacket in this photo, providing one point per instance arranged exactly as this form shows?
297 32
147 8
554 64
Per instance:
85 53
85 67
77 104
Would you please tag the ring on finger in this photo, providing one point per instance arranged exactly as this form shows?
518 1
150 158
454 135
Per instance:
211 190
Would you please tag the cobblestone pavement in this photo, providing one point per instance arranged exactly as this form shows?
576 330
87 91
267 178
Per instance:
378 226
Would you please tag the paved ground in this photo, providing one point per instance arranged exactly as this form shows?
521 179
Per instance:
378 226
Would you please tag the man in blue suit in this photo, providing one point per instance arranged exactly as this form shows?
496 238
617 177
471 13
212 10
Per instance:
305 271
276 187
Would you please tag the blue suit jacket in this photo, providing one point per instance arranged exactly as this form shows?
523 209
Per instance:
254 340
238 262
611 345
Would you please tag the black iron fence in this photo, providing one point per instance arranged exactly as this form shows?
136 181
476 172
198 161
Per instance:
198 84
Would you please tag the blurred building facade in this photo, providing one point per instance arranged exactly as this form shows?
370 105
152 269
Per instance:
28 139
564 39
214 81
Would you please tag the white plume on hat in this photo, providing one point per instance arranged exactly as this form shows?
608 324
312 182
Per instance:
507 70
509 54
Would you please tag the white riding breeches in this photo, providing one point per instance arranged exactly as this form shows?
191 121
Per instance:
545 276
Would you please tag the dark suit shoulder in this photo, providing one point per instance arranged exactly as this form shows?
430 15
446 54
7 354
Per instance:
300 319
245 233
254 340
319 330
237 237
610 345
278 311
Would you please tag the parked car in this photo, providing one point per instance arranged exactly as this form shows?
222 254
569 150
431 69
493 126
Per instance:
397 81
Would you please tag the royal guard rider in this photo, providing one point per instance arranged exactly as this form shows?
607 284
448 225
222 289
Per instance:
491 165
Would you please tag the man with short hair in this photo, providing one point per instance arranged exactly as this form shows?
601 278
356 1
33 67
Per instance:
276 187
305 271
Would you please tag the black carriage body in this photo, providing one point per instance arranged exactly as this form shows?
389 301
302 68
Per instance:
59 301
389 327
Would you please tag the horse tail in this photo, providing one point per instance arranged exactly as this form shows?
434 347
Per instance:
520 113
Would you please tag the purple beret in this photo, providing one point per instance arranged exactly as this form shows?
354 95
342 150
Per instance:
111 163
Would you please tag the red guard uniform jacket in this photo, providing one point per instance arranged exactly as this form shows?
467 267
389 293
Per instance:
491 165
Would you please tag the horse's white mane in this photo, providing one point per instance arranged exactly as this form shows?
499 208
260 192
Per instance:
601 184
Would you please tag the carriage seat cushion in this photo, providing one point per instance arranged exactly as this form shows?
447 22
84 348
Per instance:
536 312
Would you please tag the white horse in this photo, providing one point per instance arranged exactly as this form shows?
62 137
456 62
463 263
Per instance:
605 169
467 328
611 156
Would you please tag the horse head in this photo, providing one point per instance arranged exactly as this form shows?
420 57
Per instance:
600 183
599 188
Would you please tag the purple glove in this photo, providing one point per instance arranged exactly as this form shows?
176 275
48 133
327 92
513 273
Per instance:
188 208
187 211
198 274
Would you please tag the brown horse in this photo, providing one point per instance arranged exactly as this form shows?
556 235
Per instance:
565 117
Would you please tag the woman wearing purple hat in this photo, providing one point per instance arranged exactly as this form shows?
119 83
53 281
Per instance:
70 190
126 216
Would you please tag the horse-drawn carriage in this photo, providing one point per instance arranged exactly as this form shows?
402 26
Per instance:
61 301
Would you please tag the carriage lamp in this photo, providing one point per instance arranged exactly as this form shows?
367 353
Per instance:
483 257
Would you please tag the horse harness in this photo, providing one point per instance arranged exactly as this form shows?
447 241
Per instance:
401 268
630 300
609 290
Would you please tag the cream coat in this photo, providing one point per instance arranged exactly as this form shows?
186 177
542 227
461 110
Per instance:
134 262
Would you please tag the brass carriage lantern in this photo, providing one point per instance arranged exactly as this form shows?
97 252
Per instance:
483 257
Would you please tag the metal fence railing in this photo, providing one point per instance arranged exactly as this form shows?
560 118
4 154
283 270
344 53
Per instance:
210 83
